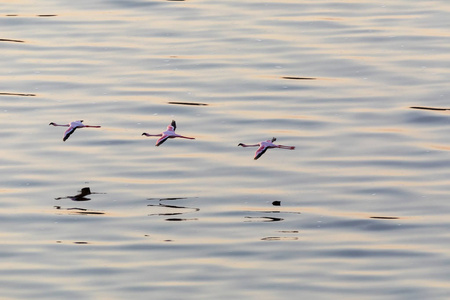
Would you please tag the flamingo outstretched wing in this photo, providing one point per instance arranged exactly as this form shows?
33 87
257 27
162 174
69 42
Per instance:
162 139
69 132
261 150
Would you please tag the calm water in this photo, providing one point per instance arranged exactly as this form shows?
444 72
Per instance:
364 199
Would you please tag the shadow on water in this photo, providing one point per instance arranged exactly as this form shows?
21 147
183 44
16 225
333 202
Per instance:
86 191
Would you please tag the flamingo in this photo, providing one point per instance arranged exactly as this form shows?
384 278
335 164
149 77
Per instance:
168 134
72 127
264 145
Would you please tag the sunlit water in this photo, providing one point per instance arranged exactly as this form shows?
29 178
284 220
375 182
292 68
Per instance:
363 201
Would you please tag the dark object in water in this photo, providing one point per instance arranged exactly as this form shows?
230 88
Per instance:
429 108
187 103
385 218
9 40
276 203
45 16
298 78
17 94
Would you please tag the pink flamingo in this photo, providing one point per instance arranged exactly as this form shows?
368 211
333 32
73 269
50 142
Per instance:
72 127
264 145
168 134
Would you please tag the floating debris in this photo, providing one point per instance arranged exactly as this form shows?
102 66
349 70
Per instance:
298 78
17 94
13 41
265 219
385 218
188 103
46 16
429 108
276 203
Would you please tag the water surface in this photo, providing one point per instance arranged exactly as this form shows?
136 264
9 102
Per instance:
362 211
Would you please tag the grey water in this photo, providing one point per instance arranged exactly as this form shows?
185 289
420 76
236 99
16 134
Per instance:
359 210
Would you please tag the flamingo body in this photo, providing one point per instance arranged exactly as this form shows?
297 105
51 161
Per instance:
168 134
264 146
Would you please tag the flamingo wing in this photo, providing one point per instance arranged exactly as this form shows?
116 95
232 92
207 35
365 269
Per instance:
69 132
261 150
162 139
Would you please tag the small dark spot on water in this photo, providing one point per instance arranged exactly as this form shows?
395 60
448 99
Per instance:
175 0
12 15
276 203
298 78
180 219
17 94
429 108
12 41
188 103
46 16
81 243
288 231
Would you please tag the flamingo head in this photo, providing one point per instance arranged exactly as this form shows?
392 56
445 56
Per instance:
51 123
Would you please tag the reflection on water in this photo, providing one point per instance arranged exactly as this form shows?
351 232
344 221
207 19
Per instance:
162 209
263 219
78 210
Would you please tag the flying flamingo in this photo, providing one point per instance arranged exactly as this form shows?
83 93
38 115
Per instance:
168 134
72 127
264 145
